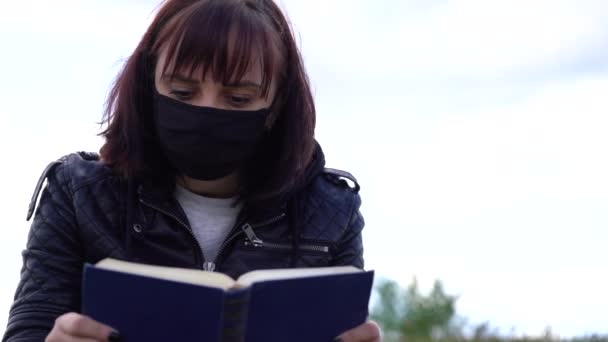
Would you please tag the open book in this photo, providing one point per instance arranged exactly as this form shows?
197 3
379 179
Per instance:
156 303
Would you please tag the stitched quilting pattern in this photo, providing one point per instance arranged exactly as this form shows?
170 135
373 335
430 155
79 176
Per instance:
79 220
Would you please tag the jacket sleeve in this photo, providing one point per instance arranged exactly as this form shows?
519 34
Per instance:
52 264
349 250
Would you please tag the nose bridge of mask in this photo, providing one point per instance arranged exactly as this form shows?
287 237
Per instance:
177 115
226 125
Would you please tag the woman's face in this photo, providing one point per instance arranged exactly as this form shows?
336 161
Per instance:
246 94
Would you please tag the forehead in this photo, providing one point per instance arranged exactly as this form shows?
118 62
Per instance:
167 66
221 43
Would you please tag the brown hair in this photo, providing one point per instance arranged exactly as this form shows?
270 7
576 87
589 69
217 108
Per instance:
196 34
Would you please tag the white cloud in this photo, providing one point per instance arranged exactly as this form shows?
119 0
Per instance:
78 21
473 38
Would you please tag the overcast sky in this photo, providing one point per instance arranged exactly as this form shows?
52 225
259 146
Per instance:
476 129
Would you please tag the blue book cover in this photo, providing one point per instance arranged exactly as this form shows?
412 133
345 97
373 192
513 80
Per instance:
152 303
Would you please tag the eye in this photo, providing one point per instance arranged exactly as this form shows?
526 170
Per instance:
238 100
182 95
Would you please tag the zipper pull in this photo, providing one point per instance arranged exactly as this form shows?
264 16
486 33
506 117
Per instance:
251 235
209 266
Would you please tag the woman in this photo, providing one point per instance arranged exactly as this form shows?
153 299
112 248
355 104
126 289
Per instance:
209 147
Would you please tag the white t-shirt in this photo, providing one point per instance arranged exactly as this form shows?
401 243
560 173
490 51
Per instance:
211 219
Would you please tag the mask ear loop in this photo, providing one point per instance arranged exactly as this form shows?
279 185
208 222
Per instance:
274 113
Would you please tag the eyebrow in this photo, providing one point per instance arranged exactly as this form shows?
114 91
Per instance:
239 84
244 84
180 78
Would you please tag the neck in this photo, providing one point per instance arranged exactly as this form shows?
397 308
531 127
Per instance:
224 187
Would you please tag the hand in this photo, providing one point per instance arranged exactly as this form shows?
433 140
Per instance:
75 327
366 332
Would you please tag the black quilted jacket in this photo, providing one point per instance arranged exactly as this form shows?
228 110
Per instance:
86 213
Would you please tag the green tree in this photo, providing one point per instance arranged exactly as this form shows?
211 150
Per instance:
389 309
410 315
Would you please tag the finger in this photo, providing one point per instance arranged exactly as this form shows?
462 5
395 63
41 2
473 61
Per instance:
366 332
73 324
67 338
57 335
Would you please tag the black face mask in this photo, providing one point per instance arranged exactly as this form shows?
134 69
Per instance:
207 143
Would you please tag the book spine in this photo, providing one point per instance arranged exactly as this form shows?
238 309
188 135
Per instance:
236 308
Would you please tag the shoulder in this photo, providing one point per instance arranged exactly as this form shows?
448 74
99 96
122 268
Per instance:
328 203
335 183
78 169
335 190
71 173
342 179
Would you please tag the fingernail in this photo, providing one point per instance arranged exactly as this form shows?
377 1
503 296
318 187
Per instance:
114 337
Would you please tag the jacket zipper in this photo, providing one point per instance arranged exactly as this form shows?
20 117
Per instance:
256 242
207 266
243 225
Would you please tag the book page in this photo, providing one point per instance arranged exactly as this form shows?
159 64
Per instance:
292 273
183 275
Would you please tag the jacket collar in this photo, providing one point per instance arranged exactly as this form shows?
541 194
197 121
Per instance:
159 192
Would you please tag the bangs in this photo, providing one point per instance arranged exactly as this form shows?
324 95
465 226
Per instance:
225 37
229 39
